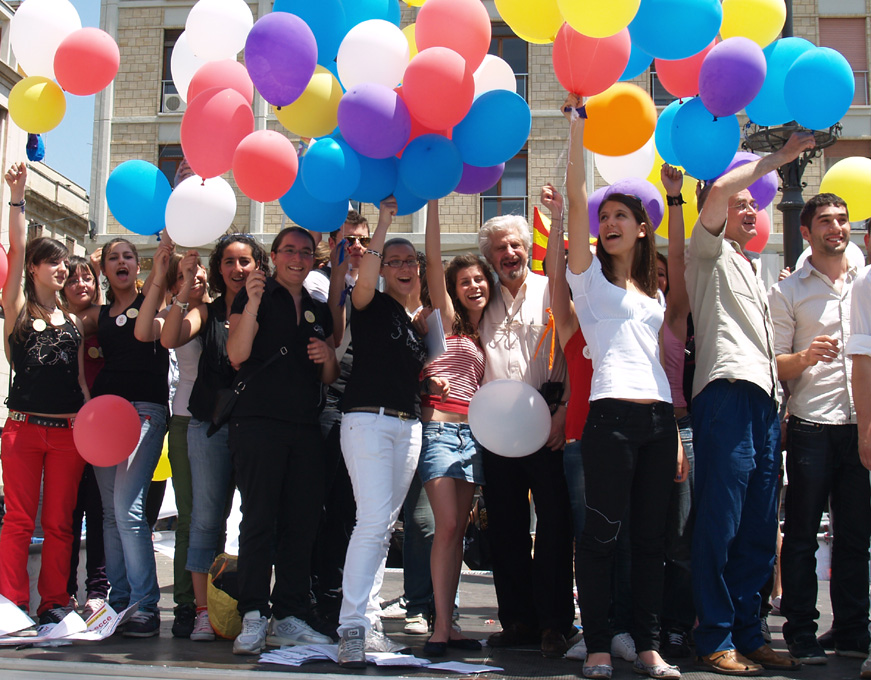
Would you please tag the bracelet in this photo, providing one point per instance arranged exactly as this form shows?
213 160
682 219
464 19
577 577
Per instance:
675 200
18 205
245 309
183 306
375 253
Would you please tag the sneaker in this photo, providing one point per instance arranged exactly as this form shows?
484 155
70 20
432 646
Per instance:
775 605
185 617
293 631
376 641
856 649
143 624
623 646
73 604
393 609
416 625
352 648
202 631
30 631
865 671
252 639
827 640
577 651
675 644
764 629
806 649
92 606
50 618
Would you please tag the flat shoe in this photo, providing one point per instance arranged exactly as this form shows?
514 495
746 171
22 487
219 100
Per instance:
435 648
600 672
729 662
465 644
655 670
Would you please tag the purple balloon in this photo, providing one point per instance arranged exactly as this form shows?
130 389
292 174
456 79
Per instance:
281 54
649 195
476 180
763 189
594 201
374 120
731 76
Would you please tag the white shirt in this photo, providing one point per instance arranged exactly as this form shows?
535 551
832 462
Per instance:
860 315
317 285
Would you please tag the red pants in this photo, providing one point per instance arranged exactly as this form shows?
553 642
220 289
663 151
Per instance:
32 454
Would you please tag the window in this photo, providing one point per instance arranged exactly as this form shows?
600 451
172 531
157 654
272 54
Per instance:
510 195
513 50
168 160
848 37
170 102
661 96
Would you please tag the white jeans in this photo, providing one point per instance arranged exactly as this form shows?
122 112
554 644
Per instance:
381 454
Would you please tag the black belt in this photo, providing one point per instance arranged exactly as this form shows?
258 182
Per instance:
43 421
380 410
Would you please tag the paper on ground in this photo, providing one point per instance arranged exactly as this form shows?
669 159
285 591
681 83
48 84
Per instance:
104 622
459 667
12 619
71 624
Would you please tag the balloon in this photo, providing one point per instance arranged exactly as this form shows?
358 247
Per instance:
477 180
332 170
769 106
763 231
377 179
217 29
594 202
639 62
460 25
689 208
309 213
281 54
325 18
494 73
676 29
850 178
211 129
184 64
408 32
374 120
4 266
620 120
407 202
163 471
587 66
535 22
86 61
495 129
418 129
200 210
763 189
265 165
759 20
854 253
37 29
636 164
731 76
662 137
357 11
431 167
222 74
681 77
644 190
509 418
834 88
598 19
136 193
374 51
704 145
438 87
37 104
315 112
97 442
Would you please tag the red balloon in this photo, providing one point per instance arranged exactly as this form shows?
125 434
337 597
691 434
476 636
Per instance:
418 128
4 266
586 66
265 165
461 25
763 231
223 73
438 88
106 430
86 61
211 129
681 76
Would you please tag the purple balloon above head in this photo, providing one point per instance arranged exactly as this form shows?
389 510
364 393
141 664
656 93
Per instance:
731 76
763 189
477 180
594 201
649 195
281 54
374 120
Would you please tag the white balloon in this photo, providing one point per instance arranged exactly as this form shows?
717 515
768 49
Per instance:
374 51
510 418
494 73
37 29
183 64
217 29
198 212
636 164
855 257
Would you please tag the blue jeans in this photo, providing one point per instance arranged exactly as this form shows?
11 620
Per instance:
419 528
737 447
130 562
211 475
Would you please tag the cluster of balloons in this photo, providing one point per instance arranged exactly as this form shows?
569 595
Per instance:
57 55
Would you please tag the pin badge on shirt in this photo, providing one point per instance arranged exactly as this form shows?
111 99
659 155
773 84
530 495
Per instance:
39 325
132 313
120 320
310 316
94 352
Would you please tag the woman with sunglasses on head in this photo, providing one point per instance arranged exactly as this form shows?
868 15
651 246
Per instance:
44 348
630 445
281 340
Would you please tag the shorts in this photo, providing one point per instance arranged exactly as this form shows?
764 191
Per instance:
450 451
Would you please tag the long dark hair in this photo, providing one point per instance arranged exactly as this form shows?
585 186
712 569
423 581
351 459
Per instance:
462 324
39 250
110 294
644 258
258 254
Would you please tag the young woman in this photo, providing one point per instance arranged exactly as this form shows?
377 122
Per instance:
450 464
630 444
44 348
381 431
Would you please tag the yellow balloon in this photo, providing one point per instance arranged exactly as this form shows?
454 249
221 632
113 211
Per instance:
534 22
598 19
850 179
415 3
759 20
315 113
408 32
37 104
688 191
163 471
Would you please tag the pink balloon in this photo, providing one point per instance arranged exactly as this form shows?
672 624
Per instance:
438 88
86 61
763 231
106 430
681 76
460 25
265 165
586 66
211 129
4 266
224 73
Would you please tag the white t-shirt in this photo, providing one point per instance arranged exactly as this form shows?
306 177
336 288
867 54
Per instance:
622 332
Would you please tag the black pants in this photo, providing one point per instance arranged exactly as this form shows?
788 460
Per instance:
279 472
630 451
89 504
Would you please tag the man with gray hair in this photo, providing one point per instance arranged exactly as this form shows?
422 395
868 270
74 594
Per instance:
534 594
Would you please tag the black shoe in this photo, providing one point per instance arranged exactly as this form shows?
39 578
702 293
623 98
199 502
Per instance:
766 631
513 635
143 624
51 617
435 648
185 618
675 644
806 649
827 640
465 644
553 644
855 648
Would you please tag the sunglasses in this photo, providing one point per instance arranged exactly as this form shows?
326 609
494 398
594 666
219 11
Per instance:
362 240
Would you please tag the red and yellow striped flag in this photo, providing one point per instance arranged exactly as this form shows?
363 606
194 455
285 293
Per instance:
540 231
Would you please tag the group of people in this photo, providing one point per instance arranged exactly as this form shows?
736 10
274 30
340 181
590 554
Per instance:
668 494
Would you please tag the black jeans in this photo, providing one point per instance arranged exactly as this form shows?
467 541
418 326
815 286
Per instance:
823 463
630 451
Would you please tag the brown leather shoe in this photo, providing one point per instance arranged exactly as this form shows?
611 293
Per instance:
774 661
729 662
553 644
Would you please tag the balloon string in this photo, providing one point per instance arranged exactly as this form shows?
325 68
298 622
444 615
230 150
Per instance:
549 328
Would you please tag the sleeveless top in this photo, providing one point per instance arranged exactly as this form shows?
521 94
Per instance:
580 368
674 354
188 358
463 366
214 372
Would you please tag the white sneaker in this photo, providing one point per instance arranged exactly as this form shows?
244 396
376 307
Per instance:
577 651
623 646
352 648
202 631
394 609
377 641
293 631
252 639
92 606
416 625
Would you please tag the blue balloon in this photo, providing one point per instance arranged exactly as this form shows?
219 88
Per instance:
704 145
137 193
639 61
332 170
495 129
833 89
662 135
676 29
377 179
308 212
326 19
431 166
357 11
407 201
769 106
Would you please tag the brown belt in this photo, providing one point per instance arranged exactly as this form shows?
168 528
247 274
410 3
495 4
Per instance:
380 410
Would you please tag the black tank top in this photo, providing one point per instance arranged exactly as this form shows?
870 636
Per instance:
215 371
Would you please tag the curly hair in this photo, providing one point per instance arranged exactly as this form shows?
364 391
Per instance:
258 254
462 324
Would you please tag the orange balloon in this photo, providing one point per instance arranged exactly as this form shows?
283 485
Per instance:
265 165
619 120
